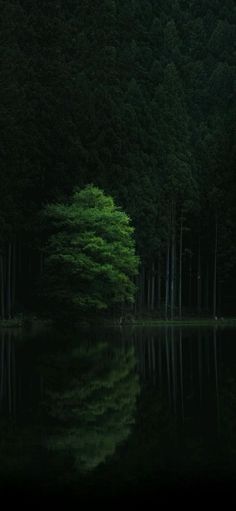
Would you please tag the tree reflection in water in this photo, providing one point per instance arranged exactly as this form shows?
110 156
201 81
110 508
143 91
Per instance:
90 400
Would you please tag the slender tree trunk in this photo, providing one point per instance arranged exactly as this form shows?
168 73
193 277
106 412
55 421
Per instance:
199 305
190 282
148 290
140 289
207 287
13 276
2 286
219 307
167 278
153 287
180 266
172 262
160 362
159 283
9 281
215 268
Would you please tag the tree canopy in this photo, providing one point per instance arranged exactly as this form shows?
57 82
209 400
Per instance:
90 254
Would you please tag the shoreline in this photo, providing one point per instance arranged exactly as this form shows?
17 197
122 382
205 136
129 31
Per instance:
28 322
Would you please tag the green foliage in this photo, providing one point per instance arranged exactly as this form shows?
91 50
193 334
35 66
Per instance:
138 100
90 254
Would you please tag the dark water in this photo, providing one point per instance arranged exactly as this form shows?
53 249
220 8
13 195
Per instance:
111 413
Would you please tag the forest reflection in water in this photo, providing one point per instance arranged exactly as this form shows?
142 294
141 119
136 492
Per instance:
124 406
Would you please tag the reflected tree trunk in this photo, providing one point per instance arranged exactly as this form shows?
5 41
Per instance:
181 373
168 363
216 381
173 370
9 376
153 359
2 365
200 364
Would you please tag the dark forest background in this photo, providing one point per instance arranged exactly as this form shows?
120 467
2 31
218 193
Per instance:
138 98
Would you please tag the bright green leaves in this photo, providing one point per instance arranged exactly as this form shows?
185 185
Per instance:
90 254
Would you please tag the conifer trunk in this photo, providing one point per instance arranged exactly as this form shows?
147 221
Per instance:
159 283
180 266
148 290
172 301
2 286
167 278
215 268
13 276
153 287
199 304
207 287
190 282
9 281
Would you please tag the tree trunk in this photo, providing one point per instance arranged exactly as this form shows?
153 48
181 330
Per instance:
9 281
167 279
172 286
159 284
160 362
2 367
190 282
153 287
215 268
199 304
180 266
2 287
207 287
13 275
148 290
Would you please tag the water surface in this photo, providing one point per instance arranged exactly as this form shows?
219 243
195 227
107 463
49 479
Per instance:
118 411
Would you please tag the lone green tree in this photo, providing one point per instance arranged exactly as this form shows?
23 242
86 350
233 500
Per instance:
90 260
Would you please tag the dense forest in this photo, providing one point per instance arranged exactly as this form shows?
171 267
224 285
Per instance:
137 98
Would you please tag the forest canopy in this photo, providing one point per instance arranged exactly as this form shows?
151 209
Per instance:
137 98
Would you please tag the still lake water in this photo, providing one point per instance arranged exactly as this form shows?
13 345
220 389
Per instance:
118 411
